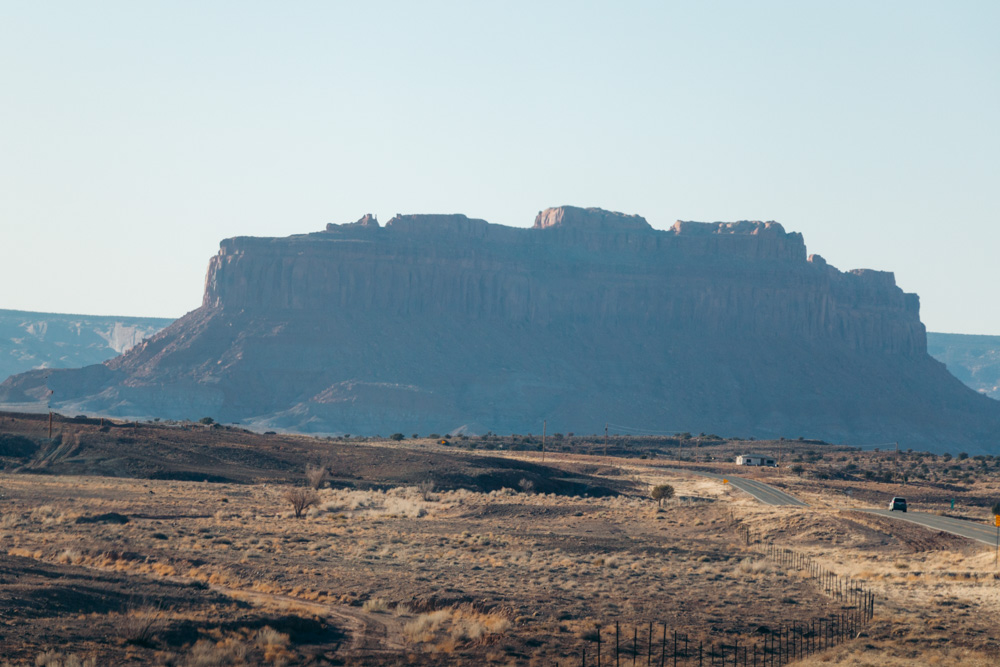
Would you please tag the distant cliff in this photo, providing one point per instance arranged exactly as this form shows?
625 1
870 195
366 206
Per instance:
48 340
975 360
434 322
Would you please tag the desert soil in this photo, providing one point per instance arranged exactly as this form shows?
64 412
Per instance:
384 569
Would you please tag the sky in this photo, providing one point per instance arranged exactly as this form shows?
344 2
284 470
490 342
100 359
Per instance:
135 136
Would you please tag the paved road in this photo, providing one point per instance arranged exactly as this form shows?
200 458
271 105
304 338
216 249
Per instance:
762 492
981 532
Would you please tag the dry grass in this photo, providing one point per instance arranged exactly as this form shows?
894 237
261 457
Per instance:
466 576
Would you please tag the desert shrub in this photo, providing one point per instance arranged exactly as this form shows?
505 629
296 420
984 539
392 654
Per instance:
57 659
207 421
17 446
316 475
206 653
462 624
47 514
397 437
375 605
426 489
69 557
141 622
750 566
274 644
527 486
301 500
662 492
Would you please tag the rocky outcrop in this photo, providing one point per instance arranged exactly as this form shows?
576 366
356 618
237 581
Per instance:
431 322
590 220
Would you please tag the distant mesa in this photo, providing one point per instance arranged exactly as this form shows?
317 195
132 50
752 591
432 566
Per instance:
429 323
31 340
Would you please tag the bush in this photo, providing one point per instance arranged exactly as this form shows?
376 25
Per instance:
301 500
206 421
316 475
397 436
17 446
141 622
662 492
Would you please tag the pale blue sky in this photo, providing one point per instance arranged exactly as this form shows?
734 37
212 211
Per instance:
136 135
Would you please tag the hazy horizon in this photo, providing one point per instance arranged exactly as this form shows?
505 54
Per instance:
136 137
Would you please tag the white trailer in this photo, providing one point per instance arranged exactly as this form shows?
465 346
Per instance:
755 460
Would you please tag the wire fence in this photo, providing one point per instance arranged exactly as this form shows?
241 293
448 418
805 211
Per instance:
659 645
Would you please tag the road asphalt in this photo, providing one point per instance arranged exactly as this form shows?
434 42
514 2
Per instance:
980 532
762 492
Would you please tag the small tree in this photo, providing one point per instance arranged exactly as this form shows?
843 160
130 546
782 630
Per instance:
316 475
207 421
995 510
301 500
662 492
397 436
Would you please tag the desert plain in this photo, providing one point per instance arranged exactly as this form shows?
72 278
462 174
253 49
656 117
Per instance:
178 544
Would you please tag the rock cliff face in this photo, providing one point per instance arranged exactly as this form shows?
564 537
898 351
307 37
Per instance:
433 322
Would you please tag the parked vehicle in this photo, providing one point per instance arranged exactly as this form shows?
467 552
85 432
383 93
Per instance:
897 504
755 460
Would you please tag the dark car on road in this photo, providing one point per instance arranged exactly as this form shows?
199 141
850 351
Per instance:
897 504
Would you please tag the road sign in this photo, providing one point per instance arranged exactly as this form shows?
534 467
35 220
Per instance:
726 481
996 520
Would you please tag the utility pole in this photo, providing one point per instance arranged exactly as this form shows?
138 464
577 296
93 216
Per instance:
898 470
543 441
605 439
48 398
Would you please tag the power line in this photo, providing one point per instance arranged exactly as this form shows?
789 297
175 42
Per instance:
635 430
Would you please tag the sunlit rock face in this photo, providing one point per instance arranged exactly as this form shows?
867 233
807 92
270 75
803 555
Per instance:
435 322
